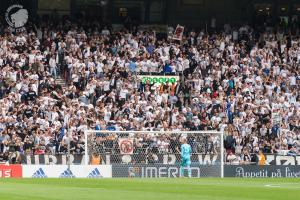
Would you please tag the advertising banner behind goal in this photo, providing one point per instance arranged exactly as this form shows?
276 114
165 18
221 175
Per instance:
163 158
254 171
162 171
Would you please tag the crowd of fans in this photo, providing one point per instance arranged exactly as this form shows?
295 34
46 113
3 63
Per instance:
243 81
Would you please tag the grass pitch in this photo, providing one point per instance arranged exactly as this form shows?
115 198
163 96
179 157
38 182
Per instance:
144 189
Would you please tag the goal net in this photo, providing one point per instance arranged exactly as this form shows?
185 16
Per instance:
155 153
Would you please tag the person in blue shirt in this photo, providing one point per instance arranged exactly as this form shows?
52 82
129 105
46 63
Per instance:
167 68
186 151
132 66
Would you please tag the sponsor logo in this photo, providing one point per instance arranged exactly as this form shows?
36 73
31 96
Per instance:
158 79
5 173
39 174
263 171
10 171
95 174
67 174
159 172
240 172
16 16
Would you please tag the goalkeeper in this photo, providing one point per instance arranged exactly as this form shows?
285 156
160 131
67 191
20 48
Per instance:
186 151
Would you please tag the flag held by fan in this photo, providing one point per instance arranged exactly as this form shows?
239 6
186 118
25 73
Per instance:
178 33
126 146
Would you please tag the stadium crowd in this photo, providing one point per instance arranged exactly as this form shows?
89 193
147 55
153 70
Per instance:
242 81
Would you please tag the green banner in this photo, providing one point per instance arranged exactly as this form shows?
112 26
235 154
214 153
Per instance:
159 79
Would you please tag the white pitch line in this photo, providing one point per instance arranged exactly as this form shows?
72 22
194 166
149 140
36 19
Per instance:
284 185
272 186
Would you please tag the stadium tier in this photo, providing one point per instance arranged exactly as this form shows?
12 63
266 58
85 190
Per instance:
59 81
149 99
147 86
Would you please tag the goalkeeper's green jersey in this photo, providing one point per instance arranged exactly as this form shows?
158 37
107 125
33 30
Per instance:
186 151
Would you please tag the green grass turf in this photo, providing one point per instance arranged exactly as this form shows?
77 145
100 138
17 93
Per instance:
143 189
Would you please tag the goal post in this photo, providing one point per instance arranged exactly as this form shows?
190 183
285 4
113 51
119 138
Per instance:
155 153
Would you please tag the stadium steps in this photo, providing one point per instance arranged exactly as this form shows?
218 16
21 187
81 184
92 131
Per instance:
60 81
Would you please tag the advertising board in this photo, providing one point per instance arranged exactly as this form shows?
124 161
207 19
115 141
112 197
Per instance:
63 171
10 171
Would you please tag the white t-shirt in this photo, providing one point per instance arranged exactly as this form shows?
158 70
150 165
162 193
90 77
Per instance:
292 80
31 58
106 85
123 93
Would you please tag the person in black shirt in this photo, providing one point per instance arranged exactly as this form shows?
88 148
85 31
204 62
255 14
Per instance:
4 157
230 143
246 157
31 95
28 112
28 145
